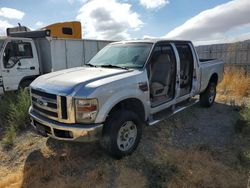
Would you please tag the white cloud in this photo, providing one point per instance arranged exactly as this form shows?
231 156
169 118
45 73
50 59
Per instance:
108 19
225 39
39 24
11 13
3 25
213 24
73 1
153 4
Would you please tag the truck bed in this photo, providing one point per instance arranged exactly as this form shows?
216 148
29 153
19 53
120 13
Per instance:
208 68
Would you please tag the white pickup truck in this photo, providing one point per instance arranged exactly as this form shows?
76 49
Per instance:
126 85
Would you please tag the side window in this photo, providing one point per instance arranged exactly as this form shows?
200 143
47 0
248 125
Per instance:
14 51
67 31
186 64
24 50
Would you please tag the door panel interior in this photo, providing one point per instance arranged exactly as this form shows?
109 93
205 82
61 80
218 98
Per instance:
186 68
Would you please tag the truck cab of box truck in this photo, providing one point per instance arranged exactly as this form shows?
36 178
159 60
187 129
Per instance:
19 63
72 30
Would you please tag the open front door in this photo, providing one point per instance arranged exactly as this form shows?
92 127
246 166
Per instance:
162 67
19 60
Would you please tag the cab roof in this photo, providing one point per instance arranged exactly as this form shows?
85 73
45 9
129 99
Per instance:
153 41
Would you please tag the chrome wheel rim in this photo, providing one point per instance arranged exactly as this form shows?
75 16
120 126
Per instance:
127 136
211 94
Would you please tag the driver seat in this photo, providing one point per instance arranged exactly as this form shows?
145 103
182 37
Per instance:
160 76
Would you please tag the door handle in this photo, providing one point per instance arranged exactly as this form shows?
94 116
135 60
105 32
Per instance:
20 68
32 68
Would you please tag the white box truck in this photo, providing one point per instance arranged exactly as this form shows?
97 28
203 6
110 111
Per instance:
29 54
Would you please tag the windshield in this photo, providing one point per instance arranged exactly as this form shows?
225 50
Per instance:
129 55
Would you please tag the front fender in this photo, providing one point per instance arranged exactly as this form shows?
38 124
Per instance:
117 97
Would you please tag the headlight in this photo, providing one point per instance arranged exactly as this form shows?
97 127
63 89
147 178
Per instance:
86 110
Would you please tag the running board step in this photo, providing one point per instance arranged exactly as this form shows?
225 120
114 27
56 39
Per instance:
160 116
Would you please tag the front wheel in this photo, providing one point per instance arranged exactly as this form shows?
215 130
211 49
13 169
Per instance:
121 133
208 96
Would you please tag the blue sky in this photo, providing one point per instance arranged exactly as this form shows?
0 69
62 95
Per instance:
124 19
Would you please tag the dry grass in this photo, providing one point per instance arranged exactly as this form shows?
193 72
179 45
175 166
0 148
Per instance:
199 169
168 168
235 83
76 166
12 181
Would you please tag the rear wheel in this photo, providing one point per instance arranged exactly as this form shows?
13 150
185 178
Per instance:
208 96
121 133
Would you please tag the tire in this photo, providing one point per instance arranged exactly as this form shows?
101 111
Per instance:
208 96
121 133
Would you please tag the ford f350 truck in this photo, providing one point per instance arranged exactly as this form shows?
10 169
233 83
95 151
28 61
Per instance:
125 86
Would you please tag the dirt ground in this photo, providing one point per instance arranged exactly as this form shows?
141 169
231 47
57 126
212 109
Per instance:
195 148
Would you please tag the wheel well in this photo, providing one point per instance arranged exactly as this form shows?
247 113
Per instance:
214 78
27 79
131 104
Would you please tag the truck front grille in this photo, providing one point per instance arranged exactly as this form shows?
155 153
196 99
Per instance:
50 105
47 112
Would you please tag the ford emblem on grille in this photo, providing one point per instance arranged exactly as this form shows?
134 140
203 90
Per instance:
42 102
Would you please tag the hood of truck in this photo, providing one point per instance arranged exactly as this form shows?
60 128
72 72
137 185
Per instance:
67 81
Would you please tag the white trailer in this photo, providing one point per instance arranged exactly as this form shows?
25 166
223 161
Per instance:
24 59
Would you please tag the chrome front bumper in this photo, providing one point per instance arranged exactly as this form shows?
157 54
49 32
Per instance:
63 131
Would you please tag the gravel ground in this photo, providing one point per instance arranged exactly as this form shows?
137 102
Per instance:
213 127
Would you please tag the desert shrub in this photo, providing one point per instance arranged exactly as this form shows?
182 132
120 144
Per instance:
244 157
243 124
14 115
235 82
9 136
5 102
18 111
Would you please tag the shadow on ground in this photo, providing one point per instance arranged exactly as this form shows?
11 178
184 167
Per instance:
62 162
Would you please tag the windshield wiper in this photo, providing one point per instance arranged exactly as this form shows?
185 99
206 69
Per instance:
113 66
90 65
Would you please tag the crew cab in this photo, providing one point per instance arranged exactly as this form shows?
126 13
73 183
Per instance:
126 85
